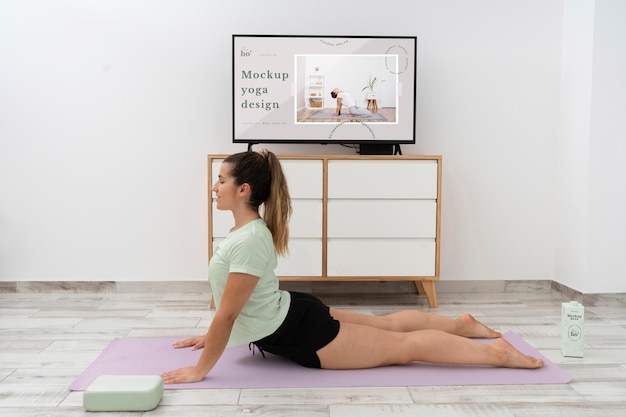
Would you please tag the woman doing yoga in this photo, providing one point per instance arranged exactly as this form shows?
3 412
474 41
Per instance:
250 307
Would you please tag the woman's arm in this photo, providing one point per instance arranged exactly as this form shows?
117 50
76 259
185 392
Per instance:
236 293
338 110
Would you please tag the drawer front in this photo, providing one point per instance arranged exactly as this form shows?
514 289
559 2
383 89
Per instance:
304 259
382 179
306 220
382 218
304 176
381 257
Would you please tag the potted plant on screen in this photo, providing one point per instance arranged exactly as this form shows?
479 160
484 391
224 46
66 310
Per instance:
369 88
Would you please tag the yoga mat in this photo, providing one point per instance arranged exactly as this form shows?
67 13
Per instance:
239 368
345 116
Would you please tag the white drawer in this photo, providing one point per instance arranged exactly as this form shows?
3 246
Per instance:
304 176
381 257
382 179
382 218
306 219
304 259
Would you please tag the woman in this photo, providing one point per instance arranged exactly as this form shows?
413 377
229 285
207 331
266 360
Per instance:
346 99
252 309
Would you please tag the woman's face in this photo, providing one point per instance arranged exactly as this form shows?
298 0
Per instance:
225 189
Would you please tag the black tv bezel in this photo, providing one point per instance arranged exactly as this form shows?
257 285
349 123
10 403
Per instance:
385 146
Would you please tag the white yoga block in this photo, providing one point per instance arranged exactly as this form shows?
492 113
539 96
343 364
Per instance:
123 393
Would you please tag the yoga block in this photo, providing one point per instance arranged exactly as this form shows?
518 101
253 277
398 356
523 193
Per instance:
123 393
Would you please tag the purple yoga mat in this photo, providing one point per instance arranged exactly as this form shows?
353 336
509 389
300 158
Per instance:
239 368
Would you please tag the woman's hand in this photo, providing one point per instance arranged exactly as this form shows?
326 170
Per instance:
188 374
238 288
195 343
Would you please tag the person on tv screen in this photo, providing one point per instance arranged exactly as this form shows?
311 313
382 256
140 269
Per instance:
346 99
251 309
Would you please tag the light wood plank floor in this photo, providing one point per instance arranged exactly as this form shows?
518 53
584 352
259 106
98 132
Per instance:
50 332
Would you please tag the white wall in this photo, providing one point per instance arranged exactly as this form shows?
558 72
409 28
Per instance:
607 154
591 174
108 109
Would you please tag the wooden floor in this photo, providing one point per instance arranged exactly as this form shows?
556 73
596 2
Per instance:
50 332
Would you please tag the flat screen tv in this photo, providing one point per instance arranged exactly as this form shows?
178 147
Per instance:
324 89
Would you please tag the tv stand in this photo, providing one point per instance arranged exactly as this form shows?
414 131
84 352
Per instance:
351 223
380 149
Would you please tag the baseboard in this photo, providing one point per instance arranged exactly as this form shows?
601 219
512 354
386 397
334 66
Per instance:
104 286
317 287
604 299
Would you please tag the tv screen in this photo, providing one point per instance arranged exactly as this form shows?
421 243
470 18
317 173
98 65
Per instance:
324 89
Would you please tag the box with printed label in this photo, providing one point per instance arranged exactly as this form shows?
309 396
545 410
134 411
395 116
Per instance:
572 322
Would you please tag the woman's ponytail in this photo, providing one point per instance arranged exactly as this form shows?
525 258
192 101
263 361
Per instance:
262 170
277 208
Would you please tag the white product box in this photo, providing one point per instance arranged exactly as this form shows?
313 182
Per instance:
572 322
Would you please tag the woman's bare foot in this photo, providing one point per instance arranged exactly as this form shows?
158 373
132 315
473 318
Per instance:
468 326
513 358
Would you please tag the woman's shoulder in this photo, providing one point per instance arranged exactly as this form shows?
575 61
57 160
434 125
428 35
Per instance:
254 230
258 226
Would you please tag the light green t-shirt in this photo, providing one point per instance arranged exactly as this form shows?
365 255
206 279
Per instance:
250 250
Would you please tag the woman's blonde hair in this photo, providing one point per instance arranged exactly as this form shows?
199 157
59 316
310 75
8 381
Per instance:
263 172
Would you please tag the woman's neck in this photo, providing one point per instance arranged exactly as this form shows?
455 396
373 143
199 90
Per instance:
245 217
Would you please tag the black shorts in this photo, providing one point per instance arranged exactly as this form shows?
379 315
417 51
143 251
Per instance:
307 328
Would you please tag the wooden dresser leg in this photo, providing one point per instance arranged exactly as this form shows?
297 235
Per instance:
427 288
